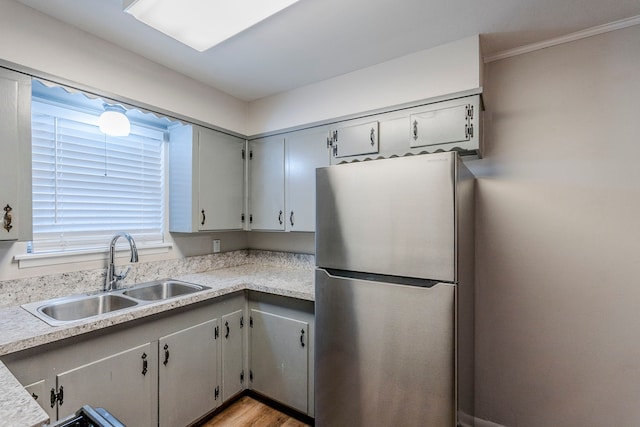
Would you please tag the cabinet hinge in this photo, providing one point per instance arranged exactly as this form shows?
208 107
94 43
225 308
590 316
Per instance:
468 131
250 218
242 377
243 154
216 333
251 321
241 322
216 394
57 397
332 138
335 150
251 155
242 218
250 375
470 111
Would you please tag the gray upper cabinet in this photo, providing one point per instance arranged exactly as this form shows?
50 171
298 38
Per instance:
454 124
354 140
306 151
206 180
15 156
442 125
266 183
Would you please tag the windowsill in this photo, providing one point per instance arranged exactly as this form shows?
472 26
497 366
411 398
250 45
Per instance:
54 258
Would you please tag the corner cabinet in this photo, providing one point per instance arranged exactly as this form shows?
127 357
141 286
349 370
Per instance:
15 156
206 180
281 338
233 354
282 180
266 184
306 151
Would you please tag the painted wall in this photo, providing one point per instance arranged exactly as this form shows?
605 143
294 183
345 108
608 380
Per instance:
32 39
442 70
558 247
36 41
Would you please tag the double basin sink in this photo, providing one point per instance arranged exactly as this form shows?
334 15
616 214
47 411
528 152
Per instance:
60 311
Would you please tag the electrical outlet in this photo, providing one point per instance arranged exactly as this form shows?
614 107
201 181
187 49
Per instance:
216 246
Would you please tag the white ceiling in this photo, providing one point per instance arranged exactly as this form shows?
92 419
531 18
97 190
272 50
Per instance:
314 40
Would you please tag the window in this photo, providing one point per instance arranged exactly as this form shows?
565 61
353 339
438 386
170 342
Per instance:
88 185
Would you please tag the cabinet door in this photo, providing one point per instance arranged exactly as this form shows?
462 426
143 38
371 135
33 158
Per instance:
279 358
221 177
188 378
267 184
355 140
232 354
119 383
15 156
306 151
453 124
41 393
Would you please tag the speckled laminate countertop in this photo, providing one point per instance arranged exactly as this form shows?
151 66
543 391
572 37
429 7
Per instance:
21 330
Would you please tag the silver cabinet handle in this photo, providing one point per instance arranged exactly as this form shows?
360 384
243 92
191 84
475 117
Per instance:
291 218
280 217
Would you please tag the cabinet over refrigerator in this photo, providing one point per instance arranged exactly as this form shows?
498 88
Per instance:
394 292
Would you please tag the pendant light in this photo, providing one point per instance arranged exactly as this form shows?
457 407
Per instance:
113 121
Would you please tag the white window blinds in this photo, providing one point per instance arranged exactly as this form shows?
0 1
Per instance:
87 185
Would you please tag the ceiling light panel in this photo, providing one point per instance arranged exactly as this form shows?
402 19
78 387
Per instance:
202 24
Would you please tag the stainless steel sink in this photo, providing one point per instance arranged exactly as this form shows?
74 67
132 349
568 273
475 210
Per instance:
162 289
63 310
60 311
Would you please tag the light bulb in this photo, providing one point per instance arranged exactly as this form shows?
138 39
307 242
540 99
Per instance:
114 122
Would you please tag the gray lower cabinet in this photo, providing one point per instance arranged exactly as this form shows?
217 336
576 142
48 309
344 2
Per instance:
281 343
172 369
122 382
111 383
188 374
232 340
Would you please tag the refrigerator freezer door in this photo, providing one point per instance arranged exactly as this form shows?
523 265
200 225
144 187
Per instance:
384 353
393 216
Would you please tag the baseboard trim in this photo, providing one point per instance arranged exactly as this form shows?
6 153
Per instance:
479 422
280 407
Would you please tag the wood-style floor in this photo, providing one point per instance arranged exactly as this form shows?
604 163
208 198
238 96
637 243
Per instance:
249 412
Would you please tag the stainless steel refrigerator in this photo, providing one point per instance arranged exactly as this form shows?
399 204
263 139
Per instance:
394 293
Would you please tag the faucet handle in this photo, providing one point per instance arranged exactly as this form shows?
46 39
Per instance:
122 275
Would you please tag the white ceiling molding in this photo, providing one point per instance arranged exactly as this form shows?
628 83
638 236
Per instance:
600 29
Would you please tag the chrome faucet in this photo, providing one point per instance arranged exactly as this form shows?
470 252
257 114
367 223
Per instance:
112 279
